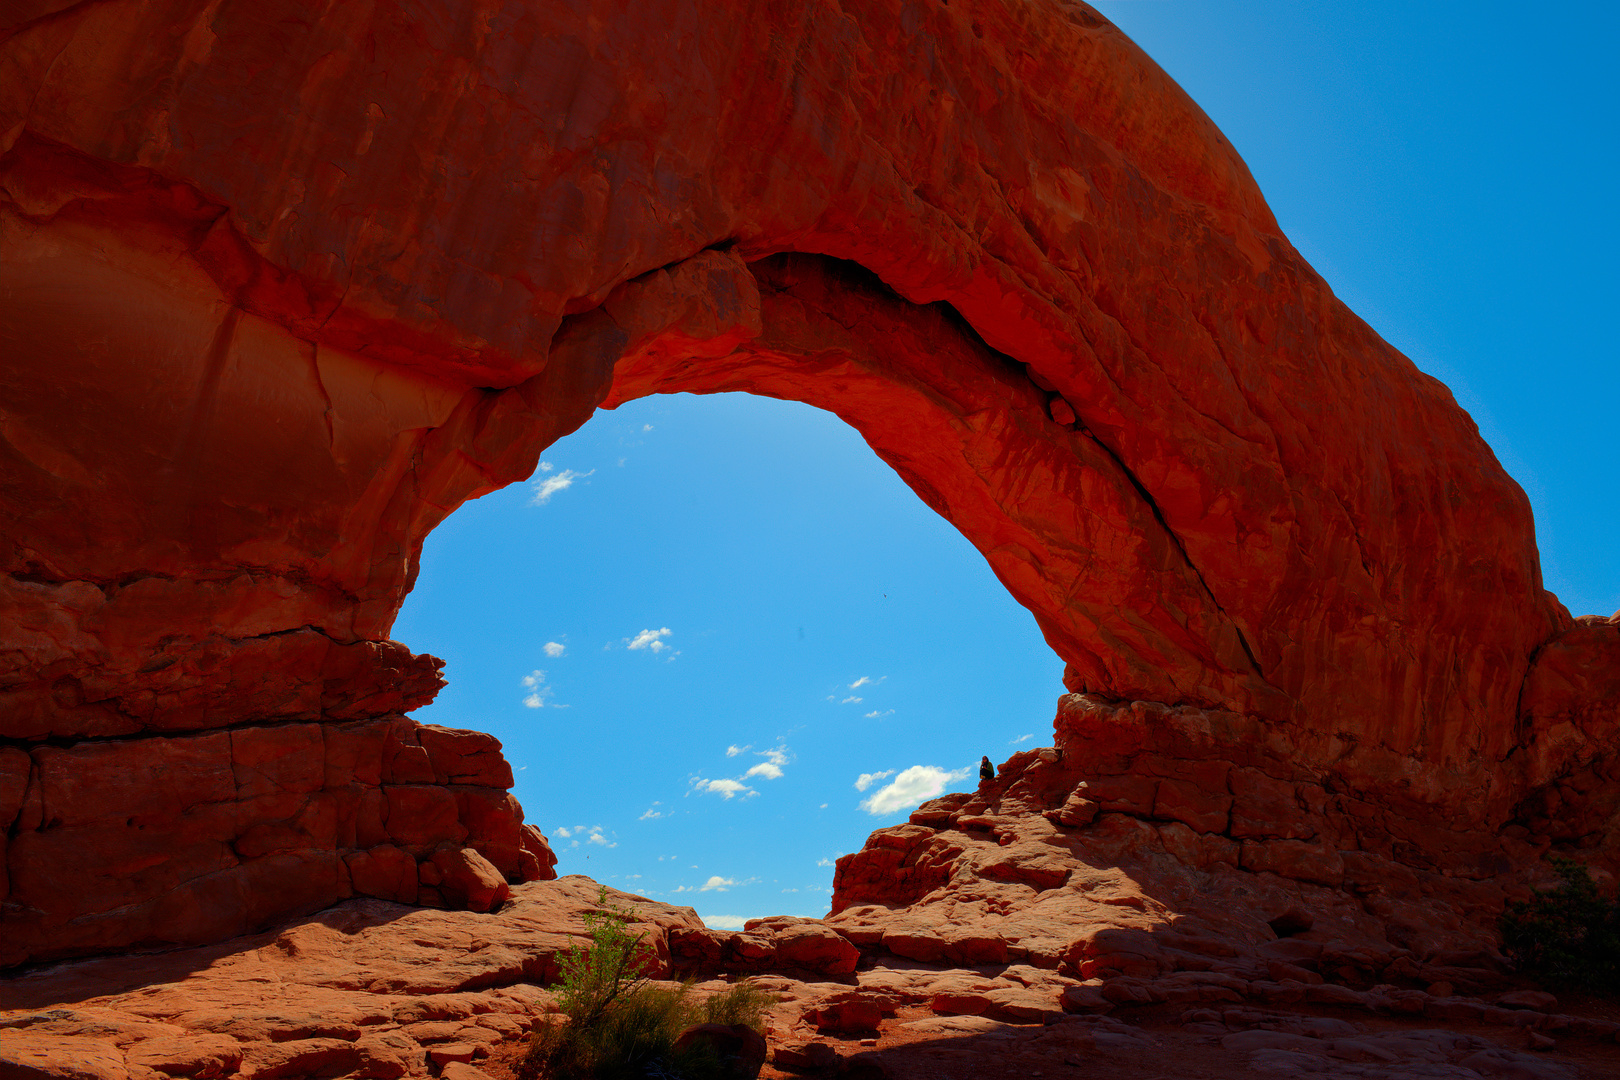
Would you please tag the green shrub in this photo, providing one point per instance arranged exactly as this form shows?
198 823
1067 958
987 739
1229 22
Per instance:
1569 935
615 1025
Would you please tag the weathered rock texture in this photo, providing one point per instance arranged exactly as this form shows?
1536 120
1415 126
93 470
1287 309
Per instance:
370 989
188 839
281 286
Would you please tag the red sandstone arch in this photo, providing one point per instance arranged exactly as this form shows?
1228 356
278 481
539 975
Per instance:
280 289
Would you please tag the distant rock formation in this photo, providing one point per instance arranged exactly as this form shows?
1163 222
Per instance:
281 288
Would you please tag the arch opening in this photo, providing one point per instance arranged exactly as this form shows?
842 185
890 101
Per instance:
789 565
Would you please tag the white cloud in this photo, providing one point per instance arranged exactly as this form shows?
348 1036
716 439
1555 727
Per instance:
867 779
733 750
824 862
562 831
912 786
860 682
649 639
646 427
535 683
717 884
546 488
546 466
724 788
877 714
553 649
1021 738
685 888
771 767
652 814
724 922
852 700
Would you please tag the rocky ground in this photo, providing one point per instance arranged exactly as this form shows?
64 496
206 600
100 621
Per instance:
374 989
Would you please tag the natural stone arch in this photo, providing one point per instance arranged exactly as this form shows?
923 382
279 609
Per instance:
387 255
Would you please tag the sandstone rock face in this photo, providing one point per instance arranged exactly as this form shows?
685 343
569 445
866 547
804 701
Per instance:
1253 868
188 839
280 288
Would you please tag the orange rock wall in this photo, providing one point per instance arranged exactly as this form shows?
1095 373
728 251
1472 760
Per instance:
281 286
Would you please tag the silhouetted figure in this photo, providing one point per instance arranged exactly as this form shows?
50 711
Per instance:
987 771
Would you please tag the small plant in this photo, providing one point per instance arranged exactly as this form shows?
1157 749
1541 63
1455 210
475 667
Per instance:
1569 935
616 1025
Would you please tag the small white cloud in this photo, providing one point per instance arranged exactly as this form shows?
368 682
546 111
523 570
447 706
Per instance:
539 692
860 682
852 700
649 639
823 806
717 884
562 831
652 813
867 779
771 767
912 786
546 488
646 427
726 789
598 838
546 466
1021 738
724 922
824 862
878 714
685 888
733 750
553 649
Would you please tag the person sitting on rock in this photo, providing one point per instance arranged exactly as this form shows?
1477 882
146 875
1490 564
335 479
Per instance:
987 771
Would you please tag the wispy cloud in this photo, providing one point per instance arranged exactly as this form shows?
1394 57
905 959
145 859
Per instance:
592 834
860 682
548 486
726 789
878 714
718 884
1021 738
852 700
771 767
539 694
912 786
867 779
733 750
724 922
653 813
553 649
649 640
824 862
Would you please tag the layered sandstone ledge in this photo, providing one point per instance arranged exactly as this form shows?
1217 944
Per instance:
183 840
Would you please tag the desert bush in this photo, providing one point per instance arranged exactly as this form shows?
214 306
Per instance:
1569 935
615 1025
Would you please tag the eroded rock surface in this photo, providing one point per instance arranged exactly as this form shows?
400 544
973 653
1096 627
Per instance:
281 287
188 839
371 989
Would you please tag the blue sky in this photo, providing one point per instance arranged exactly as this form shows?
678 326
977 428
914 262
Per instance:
722 641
